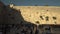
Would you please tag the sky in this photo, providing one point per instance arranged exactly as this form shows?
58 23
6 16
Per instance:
32 2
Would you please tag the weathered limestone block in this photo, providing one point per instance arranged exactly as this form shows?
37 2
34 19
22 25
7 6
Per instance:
33 13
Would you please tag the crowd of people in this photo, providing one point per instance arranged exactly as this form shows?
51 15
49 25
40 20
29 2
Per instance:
24 29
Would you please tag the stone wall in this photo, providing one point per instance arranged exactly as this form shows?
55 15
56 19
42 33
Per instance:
40 14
